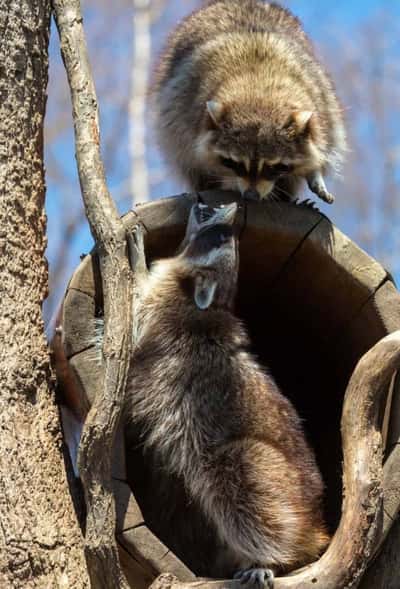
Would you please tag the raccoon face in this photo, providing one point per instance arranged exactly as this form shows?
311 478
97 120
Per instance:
250 151
257 176
210 254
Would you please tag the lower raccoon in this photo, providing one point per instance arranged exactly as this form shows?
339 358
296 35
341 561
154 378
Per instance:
242 102
227 479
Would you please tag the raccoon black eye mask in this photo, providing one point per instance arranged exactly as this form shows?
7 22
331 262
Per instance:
268 172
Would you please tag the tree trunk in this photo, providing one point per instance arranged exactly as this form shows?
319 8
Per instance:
40 541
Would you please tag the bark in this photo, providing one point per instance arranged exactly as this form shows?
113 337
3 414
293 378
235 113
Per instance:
118 292
40 541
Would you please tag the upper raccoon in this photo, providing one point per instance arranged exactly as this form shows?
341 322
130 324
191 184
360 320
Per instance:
242 102
226 477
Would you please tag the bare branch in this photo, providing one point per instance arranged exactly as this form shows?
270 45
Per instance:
109 233
360 527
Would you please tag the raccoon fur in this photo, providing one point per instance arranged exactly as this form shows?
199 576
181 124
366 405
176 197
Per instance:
216 455
242 103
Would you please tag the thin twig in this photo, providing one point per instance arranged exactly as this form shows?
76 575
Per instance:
109 233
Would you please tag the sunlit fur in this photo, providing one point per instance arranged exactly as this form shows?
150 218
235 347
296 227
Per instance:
270 98
226 478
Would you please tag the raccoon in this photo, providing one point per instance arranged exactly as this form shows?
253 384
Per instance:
241 103
225 478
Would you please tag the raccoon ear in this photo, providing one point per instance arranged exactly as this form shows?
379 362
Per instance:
215 110
301 120
204 291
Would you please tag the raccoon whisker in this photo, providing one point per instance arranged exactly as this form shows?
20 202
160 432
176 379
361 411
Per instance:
283 191
276 200
274 197
219 176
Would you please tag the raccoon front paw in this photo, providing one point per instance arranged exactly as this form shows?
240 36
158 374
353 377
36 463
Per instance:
259 578
316 184
136 250
326 196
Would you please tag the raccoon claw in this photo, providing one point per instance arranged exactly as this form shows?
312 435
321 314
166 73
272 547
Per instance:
309 204
137 256
259 578
316 184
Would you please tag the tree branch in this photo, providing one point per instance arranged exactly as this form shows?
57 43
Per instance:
109 233
360 528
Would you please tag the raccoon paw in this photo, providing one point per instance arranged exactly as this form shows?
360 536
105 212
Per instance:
136 251
316 184
326 196
259 578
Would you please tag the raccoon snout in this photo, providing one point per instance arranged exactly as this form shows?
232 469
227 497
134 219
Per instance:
251 194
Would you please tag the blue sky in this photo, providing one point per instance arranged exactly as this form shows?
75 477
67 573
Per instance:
348 12
328 22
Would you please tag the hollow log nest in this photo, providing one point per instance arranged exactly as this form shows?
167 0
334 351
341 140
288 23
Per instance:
317 308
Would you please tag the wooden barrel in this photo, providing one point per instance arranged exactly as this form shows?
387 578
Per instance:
313 302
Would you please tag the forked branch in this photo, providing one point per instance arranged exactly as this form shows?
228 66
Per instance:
359 531
109 234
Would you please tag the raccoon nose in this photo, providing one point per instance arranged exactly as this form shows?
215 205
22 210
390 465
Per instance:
251 194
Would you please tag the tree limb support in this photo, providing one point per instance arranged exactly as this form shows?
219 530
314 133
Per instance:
108 231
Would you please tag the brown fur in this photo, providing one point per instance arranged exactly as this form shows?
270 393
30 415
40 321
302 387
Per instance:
239 80
226 477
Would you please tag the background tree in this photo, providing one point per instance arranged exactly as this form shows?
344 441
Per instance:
40 541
